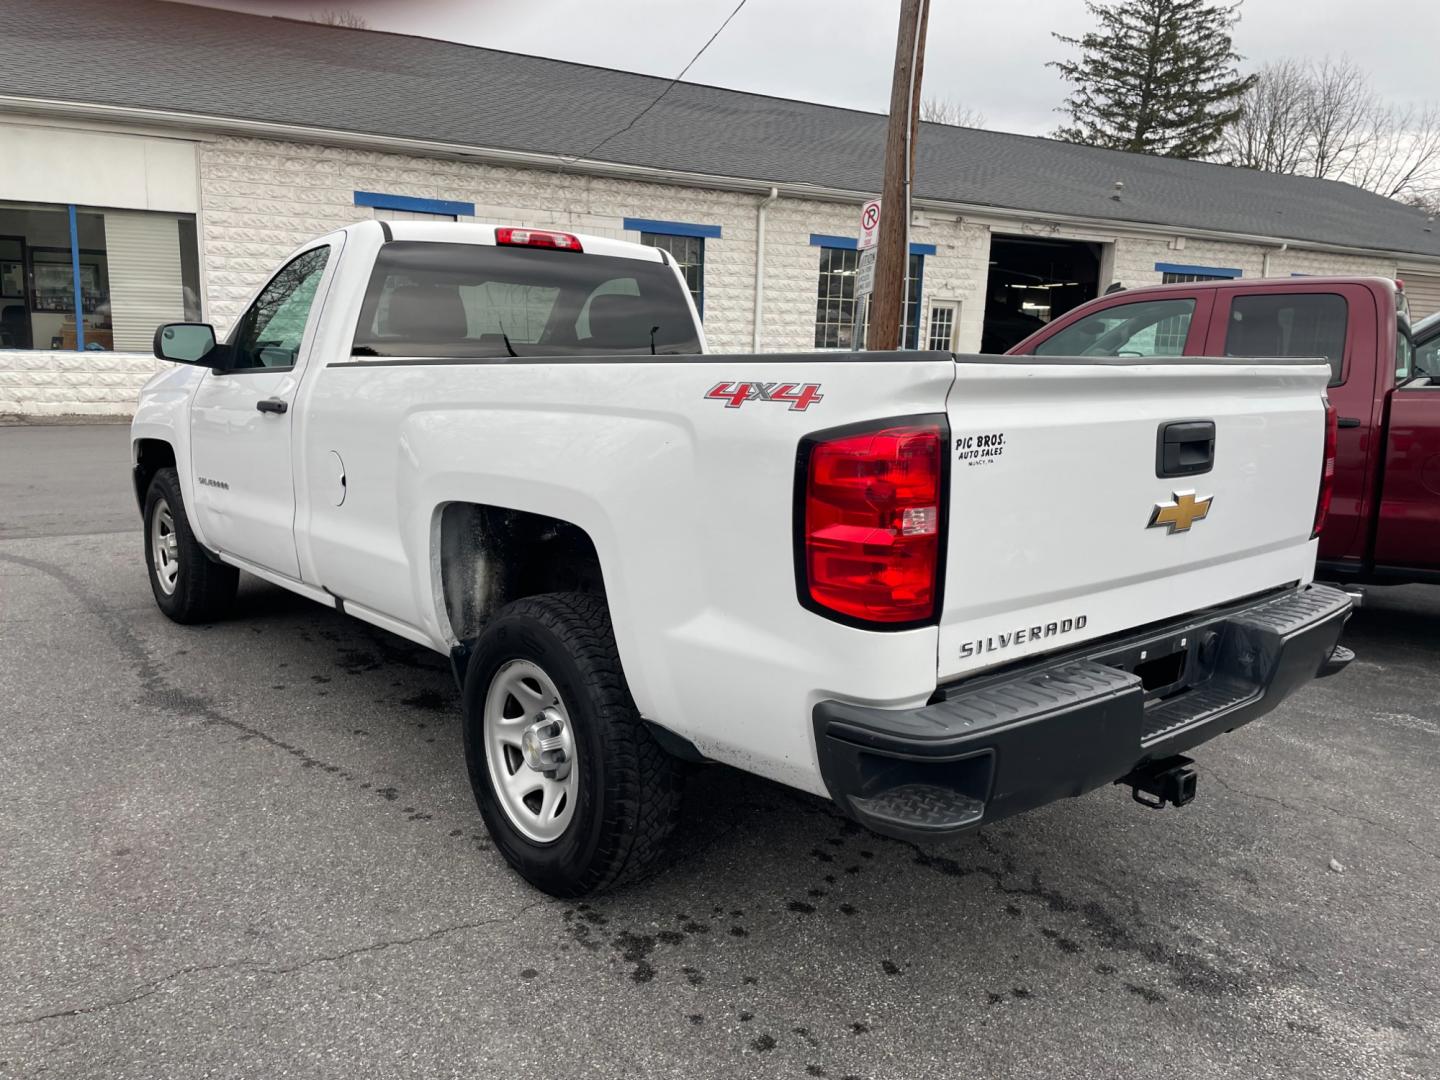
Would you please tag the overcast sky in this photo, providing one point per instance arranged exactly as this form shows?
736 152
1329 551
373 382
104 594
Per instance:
987 54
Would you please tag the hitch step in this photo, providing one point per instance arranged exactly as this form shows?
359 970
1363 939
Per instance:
925 807
1338 660
1168 781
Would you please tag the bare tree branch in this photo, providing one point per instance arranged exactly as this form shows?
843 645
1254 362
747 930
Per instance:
1323 119
1270 131
944 111
1402 154
1341 115
340 17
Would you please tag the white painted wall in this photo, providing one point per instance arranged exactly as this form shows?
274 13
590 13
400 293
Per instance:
90 383
93 168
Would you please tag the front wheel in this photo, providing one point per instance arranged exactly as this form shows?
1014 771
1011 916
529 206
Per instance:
189 586
575 791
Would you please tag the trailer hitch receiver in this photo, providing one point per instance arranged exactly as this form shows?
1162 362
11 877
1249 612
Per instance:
1170 780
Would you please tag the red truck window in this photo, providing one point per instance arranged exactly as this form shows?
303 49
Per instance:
1144 328
1427 357
1289 324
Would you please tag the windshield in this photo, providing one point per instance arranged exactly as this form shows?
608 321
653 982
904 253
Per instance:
472 300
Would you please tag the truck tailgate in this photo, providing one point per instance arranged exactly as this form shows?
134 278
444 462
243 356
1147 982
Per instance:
1060 529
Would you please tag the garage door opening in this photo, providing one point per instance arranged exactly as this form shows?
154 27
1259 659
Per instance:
1031 282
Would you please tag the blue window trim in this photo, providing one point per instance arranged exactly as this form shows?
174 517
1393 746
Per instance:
1212 271
849 243
381 201
75 281
672 228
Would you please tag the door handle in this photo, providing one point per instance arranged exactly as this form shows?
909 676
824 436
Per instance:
1185 448
272 405
1348 421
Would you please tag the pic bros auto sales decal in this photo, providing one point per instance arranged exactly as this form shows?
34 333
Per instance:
799 396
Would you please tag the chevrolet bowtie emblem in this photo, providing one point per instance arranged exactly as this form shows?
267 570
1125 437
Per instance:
1179 515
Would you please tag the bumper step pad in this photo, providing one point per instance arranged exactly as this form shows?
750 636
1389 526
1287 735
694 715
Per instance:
922 806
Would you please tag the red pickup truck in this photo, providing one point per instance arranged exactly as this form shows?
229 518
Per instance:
1384 520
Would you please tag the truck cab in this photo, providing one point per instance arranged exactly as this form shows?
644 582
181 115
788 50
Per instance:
1383 525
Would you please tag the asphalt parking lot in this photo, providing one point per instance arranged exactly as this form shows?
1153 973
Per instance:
249 850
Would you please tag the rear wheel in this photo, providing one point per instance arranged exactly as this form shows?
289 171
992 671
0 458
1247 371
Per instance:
188 585
575 791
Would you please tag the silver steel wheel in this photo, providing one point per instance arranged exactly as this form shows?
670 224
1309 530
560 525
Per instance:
164 547
530 748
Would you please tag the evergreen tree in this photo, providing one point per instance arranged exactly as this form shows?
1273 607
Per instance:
1155 77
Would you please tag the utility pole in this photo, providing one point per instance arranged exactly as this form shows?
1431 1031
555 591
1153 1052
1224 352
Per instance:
892 256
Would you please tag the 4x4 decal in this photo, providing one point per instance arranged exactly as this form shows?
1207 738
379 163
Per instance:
799 396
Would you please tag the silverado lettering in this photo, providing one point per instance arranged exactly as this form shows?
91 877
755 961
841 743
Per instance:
1021 636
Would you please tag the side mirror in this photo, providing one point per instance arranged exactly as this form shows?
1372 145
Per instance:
186 343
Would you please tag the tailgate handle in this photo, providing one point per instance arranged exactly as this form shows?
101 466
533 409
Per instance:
1185 448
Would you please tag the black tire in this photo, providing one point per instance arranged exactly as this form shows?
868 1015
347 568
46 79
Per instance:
202 590
628 789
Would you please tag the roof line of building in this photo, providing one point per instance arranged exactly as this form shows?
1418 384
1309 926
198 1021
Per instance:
169 119
662 79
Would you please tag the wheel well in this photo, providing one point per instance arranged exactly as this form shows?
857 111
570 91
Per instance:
151 455
490 556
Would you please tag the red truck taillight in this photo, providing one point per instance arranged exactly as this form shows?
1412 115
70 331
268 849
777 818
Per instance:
1327 468
870 514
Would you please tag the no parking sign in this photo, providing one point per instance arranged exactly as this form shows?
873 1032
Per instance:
870 224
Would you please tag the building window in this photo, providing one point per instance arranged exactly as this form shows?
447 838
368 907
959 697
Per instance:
941 335
77 278
1176 274
835 300
689 255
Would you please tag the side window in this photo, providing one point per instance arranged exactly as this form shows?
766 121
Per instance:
1289 324
1143 329
1427 357
269 334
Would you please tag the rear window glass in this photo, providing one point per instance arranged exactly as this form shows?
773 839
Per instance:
1144 328
463 300
1289 324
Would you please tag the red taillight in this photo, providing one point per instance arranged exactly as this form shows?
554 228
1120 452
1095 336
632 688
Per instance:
560 241
1327 469
870 531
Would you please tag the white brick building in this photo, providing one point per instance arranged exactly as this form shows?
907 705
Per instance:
159 202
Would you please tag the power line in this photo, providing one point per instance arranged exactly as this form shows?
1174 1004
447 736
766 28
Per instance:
669 86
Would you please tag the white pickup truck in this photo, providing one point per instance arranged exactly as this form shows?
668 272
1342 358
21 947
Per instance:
936 589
